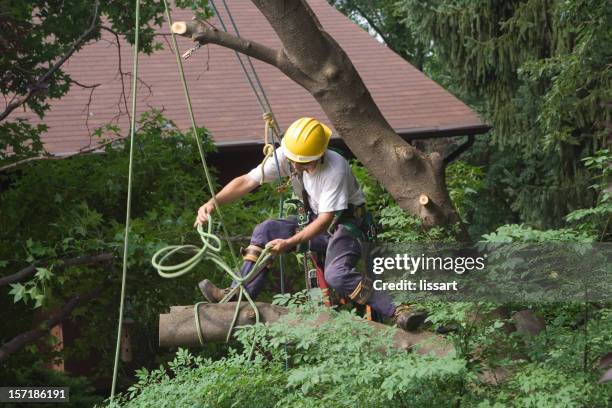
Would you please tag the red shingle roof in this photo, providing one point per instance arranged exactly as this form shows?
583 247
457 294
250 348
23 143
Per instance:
223 100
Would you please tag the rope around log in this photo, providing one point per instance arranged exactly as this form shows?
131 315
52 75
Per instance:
210 251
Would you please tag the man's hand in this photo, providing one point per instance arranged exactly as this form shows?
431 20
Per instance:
279 246
204 212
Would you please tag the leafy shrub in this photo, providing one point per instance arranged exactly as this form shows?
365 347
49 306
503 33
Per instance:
343 363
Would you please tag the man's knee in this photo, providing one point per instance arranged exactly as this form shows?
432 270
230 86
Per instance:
265 232
334 278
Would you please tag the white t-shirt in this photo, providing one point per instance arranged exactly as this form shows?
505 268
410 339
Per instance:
331 187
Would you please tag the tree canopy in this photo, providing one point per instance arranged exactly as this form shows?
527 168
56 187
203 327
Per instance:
538 70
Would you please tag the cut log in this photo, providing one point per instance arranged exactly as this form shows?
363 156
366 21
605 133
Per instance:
178 328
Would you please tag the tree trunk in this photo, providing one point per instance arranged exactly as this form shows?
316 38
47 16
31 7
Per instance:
178 327
324 70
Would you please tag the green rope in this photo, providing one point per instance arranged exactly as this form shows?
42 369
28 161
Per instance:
129 198
179 63
210 251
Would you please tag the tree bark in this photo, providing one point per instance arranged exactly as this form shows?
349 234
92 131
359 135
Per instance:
178 327
323 69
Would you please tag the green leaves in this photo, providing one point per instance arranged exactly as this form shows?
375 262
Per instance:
538 71
43 274
18 291
26 293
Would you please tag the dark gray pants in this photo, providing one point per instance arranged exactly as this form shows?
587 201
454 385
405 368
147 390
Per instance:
342 250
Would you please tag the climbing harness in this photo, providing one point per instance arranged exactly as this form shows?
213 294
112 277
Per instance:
355 219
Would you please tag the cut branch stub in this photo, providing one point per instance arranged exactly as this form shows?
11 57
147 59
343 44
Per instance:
180 27
430 213
425 201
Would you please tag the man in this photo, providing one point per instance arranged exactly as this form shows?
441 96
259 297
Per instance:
326 184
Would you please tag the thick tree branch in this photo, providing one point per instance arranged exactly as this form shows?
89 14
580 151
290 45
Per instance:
80 260
42 83
206 34
299 30
21 340
178 328
211 35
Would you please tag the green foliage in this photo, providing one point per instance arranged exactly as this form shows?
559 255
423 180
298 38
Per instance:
539 72
81 391
20 140
291 299
464 183
341 364
522 233
595 220
539 386
344 363
584 224
385 20
38 33
555 368
62 209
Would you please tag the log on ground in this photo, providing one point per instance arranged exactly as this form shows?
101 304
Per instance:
178 328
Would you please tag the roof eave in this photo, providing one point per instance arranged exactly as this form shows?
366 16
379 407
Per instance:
407 134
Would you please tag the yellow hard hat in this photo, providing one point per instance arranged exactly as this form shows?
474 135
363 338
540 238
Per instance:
306 140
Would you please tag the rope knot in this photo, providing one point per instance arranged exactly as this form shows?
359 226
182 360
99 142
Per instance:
268 150
267 116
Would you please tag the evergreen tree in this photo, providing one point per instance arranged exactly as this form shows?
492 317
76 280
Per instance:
541 70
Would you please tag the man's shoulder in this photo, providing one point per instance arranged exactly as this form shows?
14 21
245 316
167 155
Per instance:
336 160
335 167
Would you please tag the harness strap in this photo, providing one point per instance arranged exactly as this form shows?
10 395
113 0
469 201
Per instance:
363 291
251 253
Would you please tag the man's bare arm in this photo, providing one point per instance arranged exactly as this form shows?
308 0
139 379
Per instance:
319 225
235 189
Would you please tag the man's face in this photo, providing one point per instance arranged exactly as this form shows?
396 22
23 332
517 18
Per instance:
308 167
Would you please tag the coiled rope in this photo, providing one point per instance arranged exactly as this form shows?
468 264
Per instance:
210 251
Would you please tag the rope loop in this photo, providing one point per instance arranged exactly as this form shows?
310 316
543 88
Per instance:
210 251
268 149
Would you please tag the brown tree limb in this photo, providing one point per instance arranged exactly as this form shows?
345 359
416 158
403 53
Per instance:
21 340
296 25
178 328
207 34
42 82
80 260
